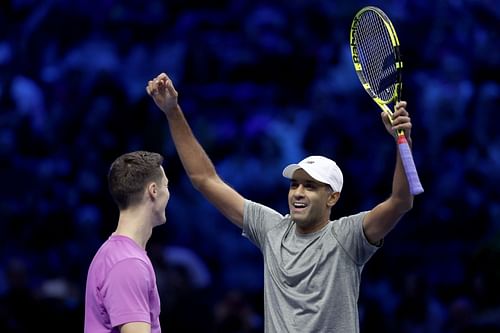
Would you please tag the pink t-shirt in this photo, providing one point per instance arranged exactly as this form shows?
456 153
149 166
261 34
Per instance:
121 288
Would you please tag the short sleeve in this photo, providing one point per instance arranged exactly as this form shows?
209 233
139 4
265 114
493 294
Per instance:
126 293
257 220
349 233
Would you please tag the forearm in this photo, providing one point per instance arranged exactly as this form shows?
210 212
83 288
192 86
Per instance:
400 189
384 217
194 159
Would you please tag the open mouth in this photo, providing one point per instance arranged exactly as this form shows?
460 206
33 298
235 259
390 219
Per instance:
298 206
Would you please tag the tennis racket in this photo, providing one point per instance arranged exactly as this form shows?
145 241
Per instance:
378 64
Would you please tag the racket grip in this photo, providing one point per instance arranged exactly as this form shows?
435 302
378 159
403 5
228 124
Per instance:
409 166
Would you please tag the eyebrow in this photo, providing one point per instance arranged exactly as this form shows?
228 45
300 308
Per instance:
308 181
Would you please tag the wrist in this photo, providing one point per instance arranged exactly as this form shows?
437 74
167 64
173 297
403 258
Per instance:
172 111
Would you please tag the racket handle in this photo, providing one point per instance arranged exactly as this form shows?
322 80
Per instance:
409 166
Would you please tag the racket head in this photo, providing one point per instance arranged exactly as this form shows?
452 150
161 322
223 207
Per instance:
376 55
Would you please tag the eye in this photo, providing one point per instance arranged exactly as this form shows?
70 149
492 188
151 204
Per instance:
294 185
310 186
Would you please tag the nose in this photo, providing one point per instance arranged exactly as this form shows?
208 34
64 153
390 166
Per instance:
299 191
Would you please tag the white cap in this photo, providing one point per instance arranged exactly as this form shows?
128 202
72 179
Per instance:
321 169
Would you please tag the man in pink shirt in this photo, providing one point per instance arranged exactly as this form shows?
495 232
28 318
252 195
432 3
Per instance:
121 293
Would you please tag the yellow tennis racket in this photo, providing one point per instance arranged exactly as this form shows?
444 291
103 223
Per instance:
378 64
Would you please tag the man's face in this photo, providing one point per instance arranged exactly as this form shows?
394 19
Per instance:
162 198
308 202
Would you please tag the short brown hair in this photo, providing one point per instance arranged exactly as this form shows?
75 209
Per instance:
130 173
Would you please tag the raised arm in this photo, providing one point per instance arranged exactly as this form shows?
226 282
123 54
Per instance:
196 162
384 217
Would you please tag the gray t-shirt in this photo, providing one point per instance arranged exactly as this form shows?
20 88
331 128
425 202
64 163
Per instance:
311 282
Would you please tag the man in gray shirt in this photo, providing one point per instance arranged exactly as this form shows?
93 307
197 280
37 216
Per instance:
312 265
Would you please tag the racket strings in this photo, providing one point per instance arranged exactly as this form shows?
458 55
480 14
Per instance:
377 55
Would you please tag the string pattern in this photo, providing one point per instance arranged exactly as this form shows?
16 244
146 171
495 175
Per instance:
377 55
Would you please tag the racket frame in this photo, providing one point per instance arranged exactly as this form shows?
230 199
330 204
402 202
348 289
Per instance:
405 151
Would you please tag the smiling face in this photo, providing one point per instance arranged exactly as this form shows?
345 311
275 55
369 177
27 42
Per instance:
310 202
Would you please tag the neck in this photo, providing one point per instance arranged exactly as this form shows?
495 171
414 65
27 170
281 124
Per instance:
313 224
311 228
135 225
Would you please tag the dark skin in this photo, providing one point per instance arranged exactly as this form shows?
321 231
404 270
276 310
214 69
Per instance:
312 207
310 201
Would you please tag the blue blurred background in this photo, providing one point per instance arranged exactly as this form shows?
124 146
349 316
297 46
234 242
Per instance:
263 84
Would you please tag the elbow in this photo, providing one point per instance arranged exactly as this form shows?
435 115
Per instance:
203 182
406 205
197 181
406 208
403 205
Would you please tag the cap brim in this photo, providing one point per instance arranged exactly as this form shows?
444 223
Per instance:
290 169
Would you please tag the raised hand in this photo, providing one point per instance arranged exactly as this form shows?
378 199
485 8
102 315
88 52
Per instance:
162 90
400 121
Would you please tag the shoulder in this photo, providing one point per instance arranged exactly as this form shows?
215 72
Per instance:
350 222
259 220
121 247
354 218
118 251
260 210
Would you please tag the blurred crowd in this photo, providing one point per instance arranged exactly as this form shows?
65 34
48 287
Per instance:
263 84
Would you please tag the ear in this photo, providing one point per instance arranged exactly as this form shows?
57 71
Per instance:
332 199
152 190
